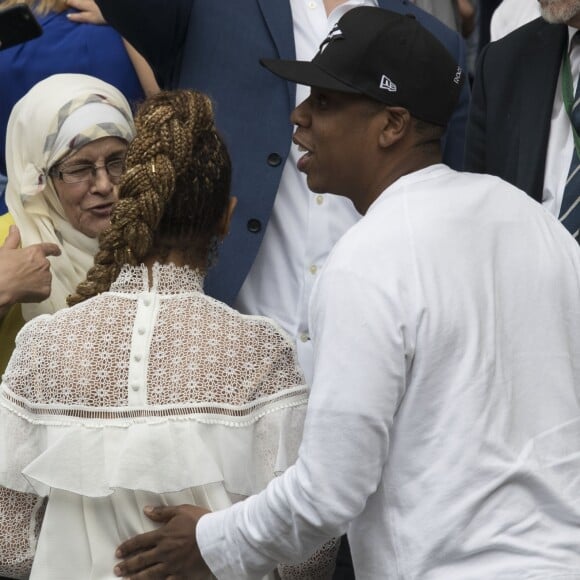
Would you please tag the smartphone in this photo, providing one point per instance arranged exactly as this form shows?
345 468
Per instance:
17 24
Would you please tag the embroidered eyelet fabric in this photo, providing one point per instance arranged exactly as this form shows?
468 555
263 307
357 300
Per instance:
150 393
21 514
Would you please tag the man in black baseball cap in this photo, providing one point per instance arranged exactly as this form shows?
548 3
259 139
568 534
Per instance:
386 56
442 426
387 67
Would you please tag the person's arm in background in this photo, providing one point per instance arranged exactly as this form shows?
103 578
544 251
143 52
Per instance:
90 13
155 28
466 10
144 72
24 272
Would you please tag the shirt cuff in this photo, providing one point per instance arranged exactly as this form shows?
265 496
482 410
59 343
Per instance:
210 535
222 542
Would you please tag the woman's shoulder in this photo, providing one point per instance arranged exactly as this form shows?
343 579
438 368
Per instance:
260 324
261 352
251 330
6 221
43 334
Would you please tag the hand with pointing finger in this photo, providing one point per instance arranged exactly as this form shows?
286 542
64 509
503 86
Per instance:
24 272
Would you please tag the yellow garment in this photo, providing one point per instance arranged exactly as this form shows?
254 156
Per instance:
5 222
12 322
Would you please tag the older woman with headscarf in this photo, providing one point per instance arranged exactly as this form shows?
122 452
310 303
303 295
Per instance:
66 144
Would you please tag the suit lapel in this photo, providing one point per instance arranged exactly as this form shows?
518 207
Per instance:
278 18
537 83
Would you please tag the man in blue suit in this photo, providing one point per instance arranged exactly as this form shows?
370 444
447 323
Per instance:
215 47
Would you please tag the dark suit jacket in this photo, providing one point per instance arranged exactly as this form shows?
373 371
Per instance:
511 107
215 46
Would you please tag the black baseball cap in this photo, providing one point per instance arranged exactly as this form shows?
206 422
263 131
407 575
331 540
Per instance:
386 56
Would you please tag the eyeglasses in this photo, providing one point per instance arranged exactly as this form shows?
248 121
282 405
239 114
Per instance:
87 171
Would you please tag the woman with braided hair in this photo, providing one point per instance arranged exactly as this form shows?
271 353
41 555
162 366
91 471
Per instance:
146 391
175 193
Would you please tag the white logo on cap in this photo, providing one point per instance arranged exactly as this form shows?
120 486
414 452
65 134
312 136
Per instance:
335 33
458 74
388 84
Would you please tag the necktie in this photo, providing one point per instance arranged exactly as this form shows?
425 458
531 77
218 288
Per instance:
570 210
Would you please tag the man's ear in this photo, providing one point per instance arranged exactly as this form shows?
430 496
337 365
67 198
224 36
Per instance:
224 226
396 124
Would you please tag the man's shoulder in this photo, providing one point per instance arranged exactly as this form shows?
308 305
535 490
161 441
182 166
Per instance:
533 49
528 36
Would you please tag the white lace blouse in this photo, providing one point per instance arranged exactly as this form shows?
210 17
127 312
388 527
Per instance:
149 393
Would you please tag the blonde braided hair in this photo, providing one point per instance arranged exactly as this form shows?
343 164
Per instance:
173 194
41 7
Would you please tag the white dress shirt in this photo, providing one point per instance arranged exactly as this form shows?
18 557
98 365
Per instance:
303 226
512 14
443 426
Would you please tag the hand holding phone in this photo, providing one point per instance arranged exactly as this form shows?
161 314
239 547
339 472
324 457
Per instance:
17 24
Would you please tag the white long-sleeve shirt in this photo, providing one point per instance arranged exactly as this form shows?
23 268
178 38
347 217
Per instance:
443 427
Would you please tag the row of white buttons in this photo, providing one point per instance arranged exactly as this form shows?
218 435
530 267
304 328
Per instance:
305 337
145 302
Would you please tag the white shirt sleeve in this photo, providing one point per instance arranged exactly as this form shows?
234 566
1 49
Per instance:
362 353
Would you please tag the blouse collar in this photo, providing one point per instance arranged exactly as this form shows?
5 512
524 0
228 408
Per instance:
166 279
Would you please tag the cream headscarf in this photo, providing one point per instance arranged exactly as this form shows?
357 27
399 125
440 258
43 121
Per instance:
47 124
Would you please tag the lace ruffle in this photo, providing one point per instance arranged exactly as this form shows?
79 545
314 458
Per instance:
160 457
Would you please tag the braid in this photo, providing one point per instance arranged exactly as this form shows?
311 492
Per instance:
174 192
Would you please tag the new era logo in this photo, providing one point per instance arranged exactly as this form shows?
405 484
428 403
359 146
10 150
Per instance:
388 84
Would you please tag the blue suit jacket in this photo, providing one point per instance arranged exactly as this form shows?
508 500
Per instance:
215 47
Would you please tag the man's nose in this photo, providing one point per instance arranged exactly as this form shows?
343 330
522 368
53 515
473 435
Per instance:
300 115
